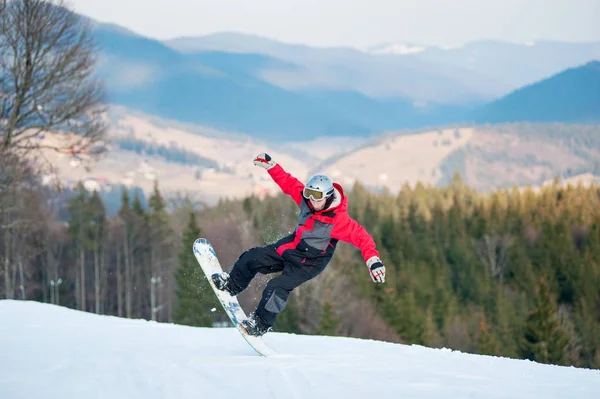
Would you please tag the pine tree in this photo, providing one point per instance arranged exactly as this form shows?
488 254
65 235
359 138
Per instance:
80 227
486 340
125 206
137 207
139 262
161 242
504 318
430 335
195 297
125 216
330 321
98 237
158 218
544 340
388 239
410 323
289 320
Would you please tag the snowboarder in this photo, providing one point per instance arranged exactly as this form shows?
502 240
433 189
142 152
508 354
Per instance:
304 254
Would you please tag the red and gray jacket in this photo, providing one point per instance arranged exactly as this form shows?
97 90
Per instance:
315 237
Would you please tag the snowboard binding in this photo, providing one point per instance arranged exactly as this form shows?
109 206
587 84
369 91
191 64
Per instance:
254 325
223 283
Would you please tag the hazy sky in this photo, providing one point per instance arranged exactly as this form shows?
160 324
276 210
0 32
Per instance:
357 23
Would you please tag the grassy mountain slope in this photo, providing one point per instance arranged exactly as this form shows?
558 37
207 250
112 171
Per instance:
572 96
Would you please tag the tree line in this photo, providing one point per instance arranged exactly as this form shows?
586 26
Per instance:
171 153
513 272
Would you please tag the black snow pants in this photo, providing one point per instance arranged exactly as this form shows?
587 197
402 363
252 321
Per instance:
266 260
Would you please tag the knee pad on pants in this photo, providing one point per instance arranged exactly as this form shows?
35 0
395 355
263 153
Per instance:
277 300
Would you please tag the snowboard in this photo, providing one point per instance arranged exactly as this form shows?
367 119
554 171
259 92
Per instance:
207 259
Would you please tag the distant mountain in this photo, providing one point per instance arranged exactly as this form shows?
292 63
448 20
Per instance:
347 69
572 96
490 68
387 113
288 92
214 89
229 92
515 65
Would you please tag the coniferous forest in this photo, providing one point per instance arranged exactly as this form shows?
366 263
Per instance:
512 273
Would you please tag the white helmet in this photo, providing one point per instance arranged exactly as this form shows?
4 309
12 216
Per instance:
318 187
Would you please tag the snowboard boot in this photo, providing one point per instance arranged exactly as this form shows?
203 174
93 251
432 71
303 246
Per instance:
255 325
223 283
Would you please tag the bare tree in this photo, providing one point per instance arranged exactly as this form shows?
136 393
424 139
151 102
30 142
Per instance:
47 60
98 246
56 242
492 251
17 177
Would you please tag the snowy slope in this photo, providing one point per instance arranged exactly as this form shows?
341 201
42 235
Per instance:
53 352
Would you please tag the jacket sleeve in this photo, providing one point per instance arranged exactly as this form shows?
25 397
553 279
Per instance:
288 183
348 230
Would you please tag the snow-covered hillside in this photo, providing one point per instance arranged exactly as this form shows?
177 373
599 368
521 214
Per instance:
49 352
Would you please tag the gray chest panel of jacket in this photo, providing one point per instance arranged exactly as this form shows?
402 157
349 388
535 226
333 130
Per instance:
318 237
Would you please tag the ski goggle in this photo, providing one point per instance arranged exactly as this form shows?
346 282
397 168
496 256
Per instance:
309 193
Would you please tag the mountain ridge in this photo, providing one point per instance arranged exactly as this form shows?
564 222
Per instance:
571 96
305 94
